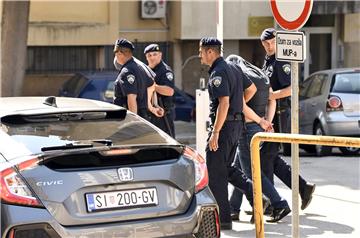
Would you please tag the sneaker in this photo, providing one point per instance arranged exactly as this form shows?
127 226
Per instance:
307 195
278 214
235 216
269 210
266 206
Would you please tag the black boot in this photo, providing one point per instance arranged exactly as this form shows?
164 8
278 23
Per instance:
307 195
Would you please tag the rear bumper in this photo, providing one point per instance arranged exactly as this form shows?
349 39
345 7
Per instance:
337 124
183 225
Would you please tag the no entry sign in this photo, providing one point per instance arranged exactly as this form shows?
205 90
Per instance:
291 14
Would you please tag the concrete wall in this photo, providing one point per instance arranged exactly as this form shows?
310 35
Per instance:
133 27
97 23
198 19
44 84
73 23
70 12
352 40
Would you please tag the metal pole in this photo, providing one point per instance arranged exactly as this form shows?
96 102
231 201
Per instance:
295 148
257 190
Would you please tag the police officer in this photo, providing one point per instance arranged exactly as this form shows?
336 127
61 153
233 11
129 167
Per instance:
164 87
133 85
280 79
226 104
263 107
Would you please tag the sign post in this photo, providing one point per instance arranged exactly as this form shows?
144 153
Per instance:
291 46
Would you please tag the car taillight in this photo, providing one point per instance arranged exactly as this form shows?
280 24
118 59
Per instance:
217 219
13 189
334 104
201 173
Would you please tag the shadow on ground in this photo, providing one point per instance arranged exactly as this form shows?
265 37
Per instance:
310 225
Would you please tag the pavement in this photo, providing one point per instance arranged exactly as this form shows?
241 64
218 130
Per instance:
335 207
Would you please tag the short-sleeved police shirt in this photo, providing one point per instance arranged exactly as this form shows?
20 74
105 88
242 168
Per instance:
279 72
132 79
165 77
223 81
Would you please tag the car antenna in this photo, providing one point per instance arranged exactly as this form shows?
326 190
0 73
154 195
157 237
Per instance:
50 101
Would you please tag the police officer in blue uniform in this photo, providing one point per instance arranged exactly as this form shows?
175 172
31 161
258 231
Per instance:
164 87
226 106
133 84
280 79
264 108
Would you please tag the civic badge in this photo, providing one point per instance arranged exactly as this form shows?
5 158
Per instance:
126 174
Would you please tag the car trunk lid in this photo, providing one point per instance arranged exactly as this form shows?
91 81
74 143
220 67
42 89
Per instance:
95 187
350 103
346 86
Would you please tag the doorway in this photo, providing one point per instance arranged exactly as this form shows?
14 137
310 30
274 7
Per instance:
320 50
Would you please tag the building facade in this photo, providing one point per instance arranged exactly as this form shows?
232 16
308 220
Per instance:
66 37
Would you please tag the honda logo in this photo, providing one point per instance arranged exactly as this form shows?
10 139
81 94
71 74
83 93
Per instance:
126 174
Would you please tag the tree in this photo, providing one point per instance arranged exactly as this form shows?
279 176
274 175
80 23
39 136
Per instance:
14 32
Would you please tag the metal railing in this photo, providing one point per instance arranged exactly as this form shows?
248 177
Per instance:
285 138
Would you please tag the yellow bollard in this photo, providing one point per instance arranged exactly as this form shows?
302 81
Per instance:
284 138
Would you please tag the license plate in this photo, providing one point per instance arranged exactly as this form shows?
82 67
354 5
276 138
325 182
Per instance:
121 199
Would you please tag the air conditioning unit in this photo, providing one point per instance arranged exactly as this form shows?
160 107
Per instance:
153 8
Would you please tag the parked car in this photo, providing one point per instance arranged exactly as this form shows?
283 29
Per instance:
100 86
330 105
72 167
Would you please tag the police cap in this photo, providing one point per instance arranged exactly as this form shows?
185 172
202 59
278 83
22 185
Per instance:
151 48
124 43
210 41
268 34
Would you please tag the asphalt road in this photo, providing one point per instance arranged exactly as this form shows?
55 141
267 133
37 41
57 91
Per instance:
334 210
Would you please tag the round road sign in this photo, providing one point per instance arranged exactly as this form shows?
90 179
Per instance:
291 14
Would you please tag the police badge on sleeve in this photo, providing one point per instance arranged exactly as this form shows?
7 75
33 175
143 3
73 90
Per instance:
130 78
216 81
169 76
286 68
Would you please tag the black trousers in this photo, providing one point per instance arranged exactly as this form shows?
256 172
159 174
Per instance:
221 171
144 113
165 123
282 170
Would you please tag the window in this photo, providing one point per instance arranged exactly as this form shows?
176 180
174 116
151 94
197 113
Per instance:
64 59
73 87
316 85
346 83
304 87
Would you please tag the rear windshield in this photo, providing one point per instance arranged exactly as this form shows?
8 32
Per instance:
346 83
49 133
